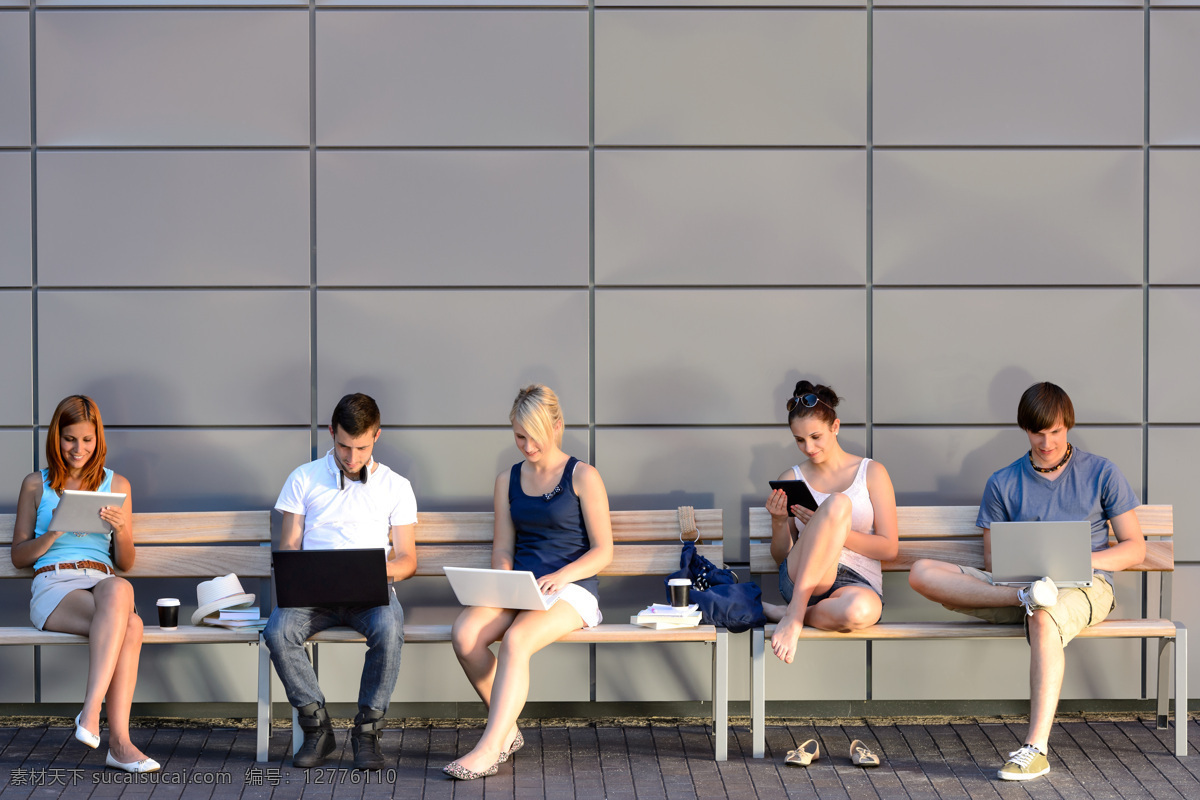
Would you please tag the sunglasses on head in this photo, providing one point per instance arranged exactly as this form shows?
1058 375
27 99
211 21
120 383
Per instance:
808 400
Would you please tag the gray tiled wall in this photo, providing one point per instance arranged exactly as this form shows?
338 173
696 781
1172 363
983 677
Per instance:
217 218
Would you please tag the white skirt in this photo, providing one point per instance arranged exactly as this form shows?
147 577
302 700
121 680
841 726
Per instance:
51 587
584 602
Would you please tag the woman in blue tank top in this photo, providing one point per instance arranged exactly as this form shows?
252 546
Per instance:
75 589
551 519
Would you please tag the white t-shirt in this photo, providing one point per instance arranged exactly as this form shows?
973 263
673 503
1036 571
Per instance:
360 515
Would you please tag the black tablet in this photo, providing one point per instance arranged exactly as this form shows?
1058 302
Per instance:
797 495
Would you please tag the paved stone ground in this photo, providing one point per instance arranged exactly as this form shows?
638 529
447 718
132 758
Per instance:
1093 757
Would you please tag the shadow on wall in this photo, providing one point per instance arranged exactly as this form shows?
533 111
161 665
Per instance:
669 394
645 673
160 476
966 486
201 469
1005 391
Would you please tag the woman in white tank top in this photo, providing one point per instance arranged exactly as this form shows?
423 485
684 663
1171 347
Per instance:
829 571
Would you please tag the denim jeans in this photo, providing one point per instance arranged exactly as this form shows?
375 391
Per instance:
289 628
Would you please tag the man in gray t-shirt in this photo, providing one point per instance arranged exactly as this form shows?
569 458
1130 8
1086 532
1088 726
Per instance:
1053 481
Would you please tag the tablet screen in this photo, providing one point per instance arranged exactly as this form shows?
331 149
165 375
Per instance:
79 512
797 495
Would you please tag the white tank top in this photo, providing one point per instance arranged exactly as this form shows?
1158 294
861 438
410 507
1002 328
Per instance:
862 519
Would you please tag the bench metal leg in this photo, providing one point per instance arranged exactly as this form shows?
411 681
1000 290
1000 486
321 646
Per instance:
1181 690
758 693
1164 678
263 733
721 696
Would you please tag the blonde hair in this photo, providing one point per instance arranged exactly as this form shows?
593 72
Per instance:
536 410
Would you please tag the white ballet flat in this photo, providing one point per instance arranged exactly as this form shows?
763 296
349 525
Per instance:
145 765
92 740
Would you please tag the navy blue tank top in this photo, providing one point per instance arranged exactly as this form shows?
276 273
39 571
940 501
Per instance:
550 529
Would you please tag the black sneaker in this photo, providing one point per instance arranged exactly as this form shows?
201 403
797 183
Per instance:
318 737
364 738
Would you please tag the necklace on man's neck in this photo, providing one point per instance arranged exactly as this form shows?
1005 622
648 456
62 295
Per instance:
1056 467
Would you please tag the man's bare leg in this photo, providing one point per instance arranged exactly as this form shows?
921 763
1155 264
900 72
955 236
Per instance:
1046 666
945 583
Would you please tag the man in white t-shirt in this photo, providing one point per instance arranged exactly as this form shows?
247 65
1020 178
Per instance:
345 500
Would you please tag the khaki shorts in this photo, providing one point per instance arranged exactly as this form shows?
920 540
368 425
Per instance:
1075 610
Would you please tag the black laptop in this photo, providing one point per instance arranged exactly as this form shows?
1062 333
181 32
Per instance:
330 578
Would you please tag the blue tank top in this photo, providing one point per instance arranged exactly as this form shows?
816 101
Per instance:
72 546
550 529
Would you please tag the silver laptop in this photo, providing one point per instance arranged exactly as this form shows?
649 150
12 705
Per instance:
1022 552
79 512
498 588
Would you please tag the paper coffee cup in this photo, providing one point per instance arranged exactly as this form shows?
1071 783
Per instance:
168 613
681 591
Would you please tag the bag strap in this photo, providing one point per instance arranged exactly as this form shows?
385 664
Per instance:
687 524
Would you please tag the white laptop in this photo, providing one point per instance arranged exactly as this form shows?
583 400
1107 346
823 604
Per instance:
498 588
79 512
1023 552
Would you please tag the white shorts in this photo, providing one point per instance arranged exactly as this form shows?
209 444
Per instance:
584 602
50 588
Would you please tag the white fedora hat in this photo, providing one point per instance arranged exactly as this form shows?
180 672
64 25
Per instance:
223 592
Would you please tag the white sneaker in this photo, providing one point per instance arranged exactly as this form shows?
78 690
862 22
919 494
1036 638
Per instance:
1039 594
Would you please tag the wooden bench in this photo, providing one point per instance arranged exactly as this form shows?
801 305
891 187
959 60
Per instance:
203 545
199 545
645 543
948 533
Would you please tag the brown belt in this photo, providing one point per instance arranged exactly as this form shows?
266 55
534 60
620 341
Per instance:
100 565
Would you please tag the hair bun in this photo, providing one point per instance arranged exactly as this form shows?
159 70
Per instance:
827 394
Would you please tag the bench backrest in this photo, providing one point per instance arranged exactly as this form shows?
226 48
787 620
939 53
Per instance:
948 533
644 542
204 544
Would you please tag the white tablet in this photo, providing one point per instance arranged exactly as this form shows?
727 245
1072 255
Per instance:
79 512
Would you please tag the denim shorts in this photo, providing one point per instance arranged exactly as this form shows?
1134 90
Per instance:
845 577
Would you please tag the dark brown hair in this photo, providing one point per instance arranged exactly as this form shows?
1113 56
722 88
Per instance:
1041 406
823 409
71 411
355 414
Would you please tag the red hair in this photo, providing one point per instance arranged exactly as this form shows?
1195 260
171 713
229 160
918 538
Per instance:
73 410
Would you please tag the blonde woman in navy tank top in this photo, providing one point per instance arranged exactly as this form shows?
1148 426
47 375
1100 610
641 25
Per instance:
551 519
75 589
829 571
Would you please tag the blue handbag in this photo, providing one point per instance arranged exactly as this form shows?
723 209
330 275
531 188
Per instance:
723 601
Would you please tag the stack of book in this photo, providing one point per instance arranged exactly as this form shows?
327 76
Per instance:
660 616
239 617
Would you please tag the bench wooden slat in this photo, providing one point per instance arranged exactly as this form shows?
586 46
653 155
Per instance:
461 527
946 522
203 527
186 634
628 559
435 527
953 537
208 527
1109 629
180 561
606 633
1160 555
